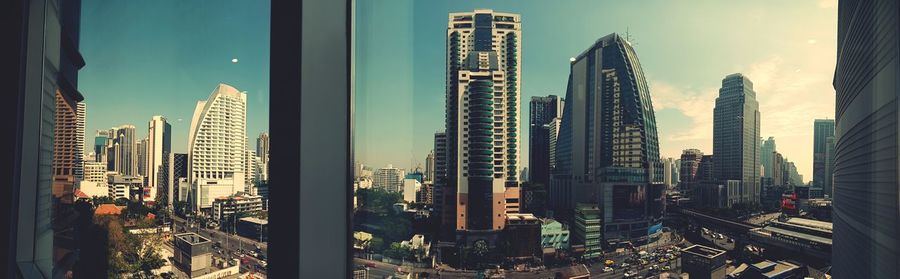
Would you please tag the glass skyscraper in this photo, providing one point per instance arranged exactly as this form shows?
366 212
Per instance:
736 136
607 145
823 128
543 111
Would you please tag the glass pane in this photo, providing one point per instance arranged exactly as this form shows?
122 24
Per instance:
158 117
542 140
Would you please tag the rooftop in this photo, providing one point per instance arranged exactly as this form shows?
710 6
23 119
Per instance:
192 238
108 209
770 269
255 220
815 224
704 251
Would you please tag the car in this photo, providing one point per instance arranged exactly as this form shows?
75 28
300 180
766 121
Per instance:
253 253
607 269
730 240
630 274
370 265
666 268
609 262
263 263
624 265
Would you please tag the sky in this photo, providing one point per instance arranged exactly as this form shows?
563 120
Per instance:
786 48
146 58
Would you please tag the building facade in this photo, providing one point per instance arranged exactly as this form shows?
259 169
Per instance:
217 143
543 111
822 129
262 151
482 119
123 150
866 187
765 157
389 179
159 146
736 135
177 164
689 169
614 127
224 207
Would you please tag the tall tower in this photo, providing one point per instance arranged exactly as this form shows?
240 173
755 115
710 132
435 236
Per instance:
217 143
866 187
429 166
822 129
543 112
159 146
736 136
100 144
608 122
765 157
262 151
124 150
482 119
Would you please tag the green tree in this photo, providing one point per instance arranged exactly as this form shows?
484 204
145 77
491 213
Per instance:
376 244
121 201
98 200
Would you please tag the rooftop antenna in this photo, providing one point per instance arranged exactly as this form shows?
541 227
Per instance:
628 37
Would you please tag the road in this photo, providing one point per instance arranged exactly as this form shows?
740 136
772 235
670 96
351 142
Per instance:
762 219
230 244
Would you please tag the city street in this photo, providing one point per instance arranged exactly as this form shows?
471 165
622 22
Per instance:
230 244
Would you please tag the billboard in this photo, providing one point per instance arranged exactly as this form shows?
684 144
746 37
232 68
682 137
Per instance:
629 201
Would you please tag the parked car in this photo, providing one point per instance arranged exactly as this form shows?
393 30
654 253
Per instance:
607 269
370 265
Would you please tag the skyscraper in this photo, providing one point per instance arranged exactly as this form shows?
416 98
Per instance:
668 166
217 143
736 136
444 196
829 166
100 145
262 151
429 166
80 115
178 169
822 129
141 148
543 111
483 89
765 157
866 187
67 151
607 150
124 150
778 169
389 179
159 145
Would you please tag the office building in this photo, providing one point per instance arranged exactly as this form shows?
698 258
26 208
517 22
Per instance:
68 141
444 196
778 169
251 170
426 193
101 140
482 119
736 136
217 143
123 151
765 157
262 151
703 262
668 169
177 169
613 128
159 146
553 132
554 235
543 111
523 234
224 207
253 228
389 179
586 230
142 158
429 166
689 169
95 179
125 187
410 187
193 258
822 129
865 186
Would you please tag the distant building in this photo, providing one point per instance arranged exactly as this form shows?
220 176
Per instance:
253 228
767 270
543 111
736 136
95 179
193 256
101 140
425 193
522 235
125 186
554 235
159 146
703 262
429 166
805 237
668 169
689 169
223 207
766 151
587 230
822 130
178 169
389 179
262 151
410 188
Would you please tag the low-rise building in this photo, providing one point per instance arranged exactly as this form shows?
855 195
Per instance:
806 236
554 235
125 186
224 207
766 270
587 232
253 228
522 235
703 262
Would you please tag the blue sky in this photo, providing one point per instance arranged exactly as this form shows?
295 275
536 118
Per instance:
787 48
147 58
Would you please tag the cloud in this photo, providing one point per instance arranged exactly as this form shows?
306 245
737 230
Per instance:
694 104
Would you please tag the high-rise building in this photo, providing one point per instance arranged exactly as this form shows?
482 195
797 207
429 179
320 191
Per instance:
178 169
736 136
765 157
159 146
607 149
217 143
482 119
389 179
676 172
80 119
262 151
429 166
444 196
123 151
141 148
778 169
553 133
251 170
822 129
101 140
690 167
68 146
866 187
668 167
543 111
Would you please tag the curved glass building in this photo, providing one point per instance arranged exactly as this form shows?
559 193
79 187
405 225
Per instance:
608 149
217 144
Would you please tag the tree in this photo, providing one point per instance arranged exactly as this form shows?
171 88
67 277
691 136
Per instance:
376 244
121 201
181 208
98 200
